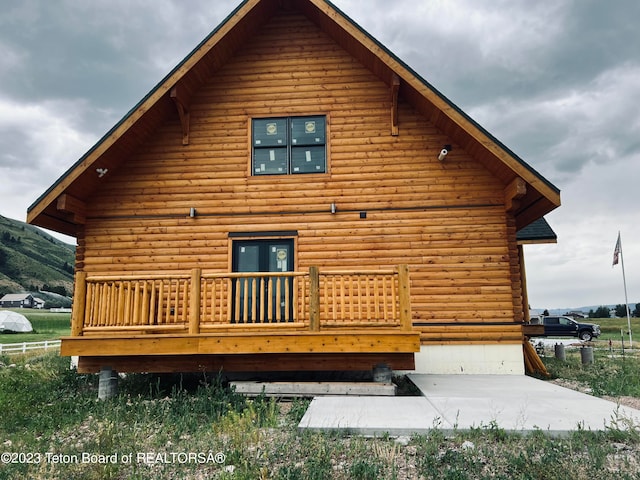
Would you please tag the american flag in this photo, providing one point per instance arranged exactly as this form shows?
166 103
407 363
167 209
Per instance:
616 251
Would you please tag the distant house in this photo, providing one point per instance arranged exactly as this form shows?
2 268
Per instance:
17 300
292 196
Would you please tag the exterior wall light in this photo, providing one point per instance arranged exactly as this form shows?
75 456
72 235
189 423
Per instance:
444 152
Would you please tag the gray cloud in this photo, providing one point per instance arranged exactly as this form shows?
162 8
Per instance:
112 52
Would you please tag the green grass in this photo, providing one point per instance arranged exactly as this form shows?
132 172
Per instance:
46 326
51 409
611 327
618 376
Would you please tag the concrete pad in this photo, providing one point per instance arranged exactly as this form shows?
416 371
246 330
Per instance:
371 416
518 403
514 403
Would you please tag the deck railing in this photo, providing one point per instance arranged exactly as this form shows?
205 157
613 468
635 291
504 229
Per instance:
209 302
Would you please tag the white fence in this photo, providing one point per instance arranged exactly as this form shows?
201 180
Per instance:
23 347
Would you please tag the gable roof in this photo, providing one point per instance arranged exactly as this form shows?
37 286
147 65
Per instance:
15 297
61 207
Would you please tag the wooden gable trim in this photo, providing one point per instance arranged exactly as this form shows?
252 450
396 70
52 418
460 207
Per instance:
537 242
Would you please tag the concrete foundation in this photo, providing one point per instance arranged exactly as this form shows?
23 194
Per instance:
470 359
312 389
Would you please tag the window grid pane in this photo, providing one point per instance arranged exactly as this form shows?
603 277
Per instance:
293 145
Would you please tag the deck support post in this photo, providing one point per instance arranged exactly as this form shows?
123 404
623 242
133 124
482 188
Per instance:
314 299
79 303
382 373
194 305
404 297
108 383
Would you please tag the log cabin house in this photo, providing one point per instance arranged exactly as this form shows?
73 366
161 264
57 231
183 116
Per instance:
281 201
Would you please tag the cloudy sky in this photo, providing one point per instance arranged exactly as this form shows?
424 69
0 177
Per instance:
557 81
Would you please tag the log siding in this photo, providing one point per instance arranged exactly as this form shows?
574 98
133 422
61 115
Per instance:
447 220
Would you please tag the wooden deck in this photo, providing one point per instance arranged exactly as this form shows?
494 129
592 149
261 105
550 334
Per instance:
333 320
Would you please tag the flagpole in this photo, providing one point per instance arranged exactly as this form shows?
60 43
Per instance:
626 300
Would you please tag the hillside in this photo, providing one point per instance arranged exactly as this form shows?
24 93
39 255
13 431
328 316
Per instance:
31 259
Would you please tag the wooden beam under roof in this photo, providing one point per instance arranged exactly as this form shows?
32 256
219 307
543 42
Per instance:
181 99
513 193
395 88
75 207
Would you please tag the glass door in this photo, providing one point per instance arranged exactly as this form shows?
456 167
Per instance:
262 298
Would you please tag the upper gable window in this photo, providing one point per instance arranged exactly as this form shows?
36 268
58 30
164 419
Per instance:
289 145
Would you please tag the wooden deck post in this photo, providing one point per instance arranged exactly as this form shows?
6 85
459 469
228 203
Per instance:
79 304
523 286
404 297
194 305
314 299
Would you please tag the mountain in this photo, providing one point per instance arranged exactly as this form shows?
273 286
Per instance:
31 259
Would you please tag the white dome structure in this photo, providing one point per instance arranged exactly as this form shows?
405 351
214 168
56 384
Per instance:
14 322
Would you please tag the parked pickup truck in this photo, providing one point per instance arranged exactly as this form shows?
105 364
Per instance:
567 327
